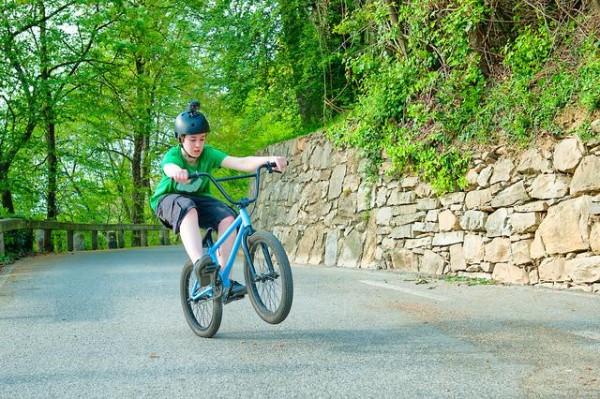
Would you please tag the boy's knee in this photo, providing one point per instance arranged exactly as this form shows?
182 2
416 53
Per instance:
226 222
191 213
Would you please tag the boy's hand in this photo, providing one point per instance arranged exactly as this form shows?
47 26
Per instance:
280 162
177 173
181 176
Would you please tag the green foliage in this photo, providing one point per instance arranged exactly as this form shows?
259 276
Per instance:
529 51
431 82
445 171
588 75
425 86
469 281
17 244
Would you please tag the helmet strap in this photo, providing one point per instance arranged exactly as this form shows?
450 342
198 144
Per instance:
187 154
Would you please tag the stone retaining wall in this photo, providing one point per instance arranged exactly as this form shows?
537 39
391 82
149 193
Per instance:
526 218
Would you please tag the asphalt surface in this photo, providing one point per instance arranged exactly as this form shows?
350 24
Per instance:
109 324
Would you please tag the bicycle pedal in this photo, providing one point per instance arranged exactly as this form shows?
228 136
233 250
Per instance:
229 299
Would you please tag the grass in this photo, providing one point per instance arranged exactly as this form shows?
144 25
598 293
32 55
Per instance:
468 280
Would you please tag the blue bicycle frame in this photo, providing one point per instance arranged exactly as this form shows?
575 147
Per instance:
241 222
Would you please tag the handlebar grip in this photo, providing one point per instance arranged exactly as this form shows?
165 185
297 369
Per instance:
193 175
271 165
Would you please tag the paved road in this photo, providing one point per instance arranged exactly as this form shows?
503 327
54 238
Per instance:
108 324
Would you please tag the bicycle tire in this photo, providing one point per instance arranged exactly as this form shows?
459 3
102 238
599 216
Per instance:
271 292
204 315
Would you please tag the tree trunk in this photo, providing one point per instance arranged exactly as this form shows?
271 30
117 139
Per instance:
140 135
7 201
52 210
137 206
48 115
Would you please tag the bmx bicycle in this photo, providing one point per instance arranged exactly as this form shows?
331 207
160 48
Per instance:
267 271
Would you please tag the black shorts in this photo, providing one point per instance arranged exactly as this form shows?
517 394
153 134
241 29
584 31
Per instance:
173 207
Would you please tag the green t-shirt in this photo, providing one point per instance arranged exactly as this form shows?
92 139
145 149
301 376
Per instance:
210 159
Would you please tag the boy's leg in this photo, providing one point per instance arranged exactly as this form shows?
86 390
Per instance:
225 250
190 235
181 213
236 290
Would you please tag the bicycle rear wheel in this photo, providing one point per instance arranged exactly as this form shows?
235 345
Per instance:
268 277
202 314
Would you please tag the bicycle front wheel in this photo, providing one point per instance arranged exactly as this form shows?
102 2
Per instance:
268 277
203 313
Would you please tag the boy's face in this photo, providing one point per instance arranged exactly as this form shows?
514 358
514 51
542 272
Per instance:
194 144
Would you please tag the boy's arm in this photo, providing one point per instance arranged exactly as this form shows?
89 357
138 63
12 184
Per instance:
250 164
176 173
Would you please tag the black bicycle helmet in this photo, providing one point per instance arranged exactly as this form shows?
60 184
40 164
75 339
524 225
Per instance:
191 122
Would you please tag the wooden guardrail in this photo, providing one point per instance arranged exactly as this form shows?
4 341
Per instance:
115 232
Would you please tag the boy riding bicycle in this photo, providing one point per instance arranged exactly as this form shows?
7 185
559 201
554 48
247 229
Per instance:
185 205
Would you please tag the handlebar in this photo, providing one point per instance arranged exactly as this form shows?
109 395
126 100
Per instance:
244 202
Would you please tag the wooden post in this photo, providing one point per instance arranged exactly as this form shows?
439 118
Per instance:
94 240
39 240
2 249
121 239
136 238
112 240
48 244
144 238
164 237
78 242
70 240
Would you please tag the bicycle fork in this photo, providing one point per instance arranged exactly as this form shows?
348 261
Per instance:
271 275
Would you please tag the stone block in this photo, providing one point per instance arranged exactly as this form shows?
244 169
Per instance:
523 223
586 178
409 218
402 198
498 250
595 237
478 198
405 231
424 242
497 224
565 228
425 227
567 154
552 269
351 251
473 248
549 186
457 258
583 270
509 274
452 198
502 171
512 195
405 260
448 221
427 204
520 252
384 215
483 180
448 238
533 162
431 264
473 220
534 206
336 181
